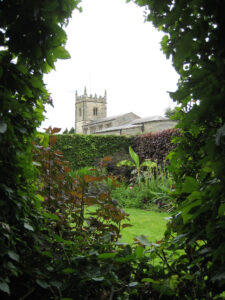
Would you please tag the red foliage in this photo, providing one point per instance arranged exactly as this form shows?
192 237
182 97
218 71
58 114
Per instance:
155 146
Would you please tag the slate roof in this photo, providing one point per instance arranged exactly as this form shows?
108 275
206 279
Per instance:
132 124
149 119
125 126
108 119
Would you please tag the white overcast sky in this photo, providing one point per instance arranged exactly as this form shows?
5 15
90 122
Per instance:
112 48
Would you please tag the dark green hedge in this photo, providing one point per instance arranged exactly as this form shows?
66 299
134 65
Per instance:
86 150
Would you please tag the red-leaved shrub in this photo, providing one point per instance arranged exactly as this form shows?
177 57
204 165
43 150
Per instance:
155 146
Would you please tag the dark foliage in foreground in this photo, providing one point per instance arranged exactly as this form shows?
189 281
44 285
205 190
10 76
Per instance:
42 256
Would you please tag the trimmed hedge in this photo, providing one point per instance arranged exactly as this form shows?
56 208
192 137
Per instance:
155 146
87 150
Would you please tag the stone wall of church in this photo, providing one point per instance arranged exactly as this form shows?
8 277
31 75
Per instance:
89 108
153 126
78 126
156 126
132 131
94 110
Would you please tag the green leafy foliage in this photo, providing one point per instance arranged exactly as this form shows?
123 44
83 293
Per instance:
151 184
88 150
133 196
172 113
194 40
155 190
67 195
29 31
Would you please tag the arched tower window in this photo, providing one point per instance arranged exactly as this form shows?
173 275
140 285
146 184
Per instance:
80 112
95 111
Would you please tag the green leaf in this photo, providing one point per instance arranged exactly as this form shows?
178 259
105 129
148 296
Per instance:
190 185
51 216
149 280
46 68
208 167
36 164
184 46
126 163
61 52
27 91
173 282
164 45
42 283
36 82
98 278
58 238
127 258
21 68
47 253
56 283
4 287
139 251
68 270
186 209
28 226
107 255
13 255
221 210
134 283
143 240
134 156
149 164
3 127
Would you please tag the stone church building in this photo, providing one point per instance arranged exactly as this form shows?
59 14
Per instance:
91 118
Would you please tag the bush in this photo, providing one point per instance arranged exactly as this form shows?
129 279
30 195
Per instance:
133 197
155 146
87 150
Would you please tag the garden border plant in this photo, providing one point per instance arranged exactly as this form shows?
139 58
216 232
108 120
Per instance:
150 185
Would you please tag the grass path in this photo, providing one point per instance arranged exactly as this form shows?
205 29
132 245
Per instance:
149 223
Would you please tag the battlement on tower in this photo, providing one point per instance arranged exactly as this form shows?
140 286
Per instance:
89 108
90 98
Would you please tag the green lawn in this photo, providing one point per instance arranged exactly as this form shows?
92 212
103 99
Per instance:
149 223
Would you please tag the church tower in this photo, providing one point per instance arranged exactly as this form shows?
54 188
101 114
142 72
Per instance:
89 108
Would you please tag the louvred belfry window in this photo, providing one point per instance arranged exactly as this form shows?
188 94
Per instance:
95 111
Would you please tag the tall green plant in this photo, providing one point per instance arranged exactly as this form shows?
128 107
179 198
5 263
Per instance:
135 162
